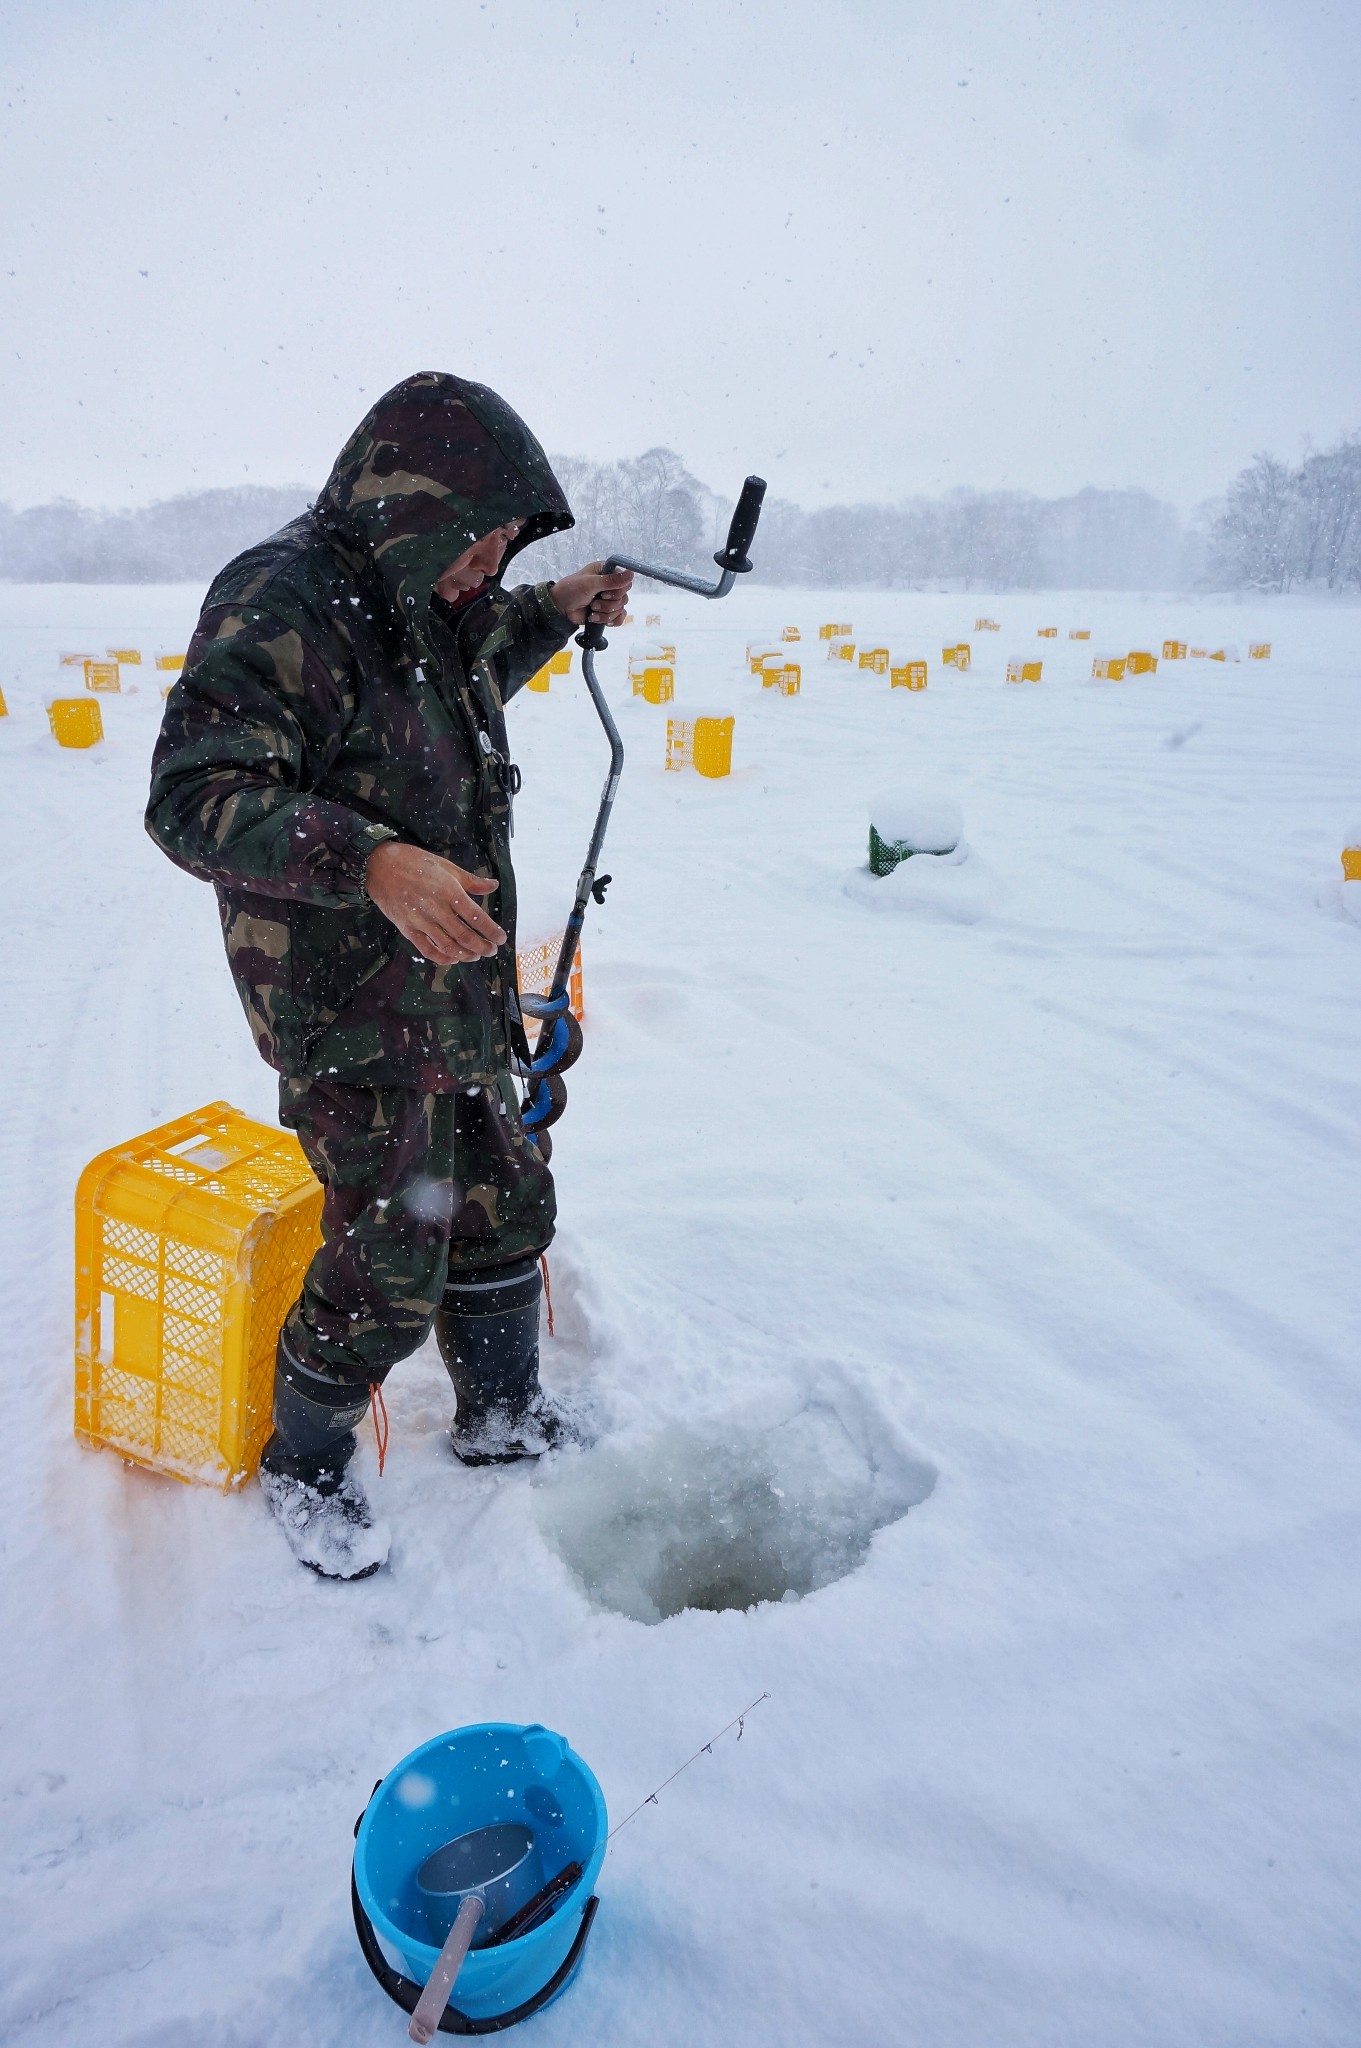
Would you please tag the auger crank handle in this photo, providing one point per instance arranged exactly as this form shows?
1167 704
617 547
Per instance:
742 528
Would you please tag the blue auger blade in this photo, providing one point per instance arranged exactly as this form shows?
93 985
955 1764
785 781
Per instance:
544 1062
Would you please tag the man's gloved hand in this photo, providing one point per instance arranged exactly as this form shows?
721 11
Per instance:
432 904
590 593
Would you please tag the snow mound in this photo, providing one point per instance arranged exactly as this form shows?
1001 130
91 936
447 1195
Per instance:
957 886
725 1518
1351 899
923 819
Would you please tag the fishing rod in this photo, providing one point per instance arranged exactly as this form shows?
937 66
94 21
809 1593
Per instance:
559 1042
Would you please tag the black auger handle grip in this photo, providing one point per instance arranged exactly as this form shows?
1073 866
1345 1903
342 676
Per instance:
743 527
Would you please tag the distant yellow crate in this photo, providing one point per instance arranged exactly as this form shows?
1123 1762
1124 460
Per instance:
4 708
1259 650
757 651
790 633
784 676
910 675
875 658
987 626
1024 671
1108 668
541 681
172 663
833 632
75 721
129 657
1174 650
1047 633
560 664
191 1245
1198 653
1141 663
1080 633
958 657
841 650
654 682
102 675
1351 863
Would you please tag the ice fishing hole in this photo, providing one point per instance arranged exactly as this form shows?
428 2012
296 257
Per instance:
715 1520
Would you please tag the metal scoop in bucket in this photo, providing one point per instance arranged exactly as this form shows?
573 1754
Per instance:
501 1864
493 1872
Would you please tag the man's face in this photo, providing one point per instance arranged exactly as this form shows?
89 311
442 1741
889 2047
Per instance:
477 563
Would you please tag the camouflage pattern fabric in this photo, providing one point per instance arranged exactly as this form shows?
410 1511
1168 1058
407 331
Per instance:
326 705
417 1186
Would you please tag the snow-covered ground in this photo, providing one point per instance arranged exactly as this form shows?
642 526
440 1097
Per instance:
1007 1208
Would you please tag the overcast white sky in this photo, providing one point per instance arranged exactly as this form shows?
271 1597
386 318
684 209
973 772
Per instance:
868 248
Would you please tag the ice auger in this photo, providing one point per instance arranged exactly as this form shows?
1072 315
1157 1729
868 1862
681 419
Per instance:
559 1042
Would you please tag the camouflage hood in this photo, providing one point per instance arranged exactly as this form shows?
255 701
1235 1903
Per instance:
437 463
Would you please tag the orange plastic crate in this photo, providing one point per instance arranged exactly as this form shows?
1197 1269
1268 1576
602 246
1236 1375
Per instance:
191 1245
534 966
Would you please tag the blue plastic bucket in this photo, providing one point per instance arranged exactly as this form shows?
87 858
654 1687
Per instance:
480 1777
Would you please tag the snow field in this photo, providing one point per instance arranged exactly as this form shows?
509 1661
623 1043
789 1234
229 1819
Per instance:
1023 1238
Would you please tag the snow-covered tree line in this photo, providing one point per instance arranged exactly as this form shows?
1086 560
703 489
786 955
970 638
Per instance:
1281 527
1276 527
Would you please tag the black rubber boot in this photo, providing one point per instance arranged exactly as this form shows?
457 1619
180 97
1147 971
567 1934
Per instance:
305 1472
488 1335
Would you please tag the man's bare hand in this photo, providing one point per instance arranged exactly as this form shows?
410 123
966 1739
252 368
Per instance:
590 593
432 904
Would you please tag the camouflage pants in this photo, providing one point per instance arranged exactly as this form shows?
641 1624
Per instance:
417 1187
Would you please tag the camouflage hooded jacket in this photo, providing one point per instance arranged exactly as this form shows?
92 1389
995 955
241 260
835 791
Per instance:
325 706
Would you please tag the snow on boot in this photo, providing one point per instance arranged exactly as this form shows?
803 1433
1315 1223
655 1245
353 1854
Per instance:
488 1334
305 1473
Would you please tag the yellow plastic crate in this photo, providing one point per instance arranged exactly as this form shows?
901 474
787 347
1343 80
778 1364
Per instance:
534 964
540 680
704 744
130 657
781 675
173 663
560 664
1174 650
1080 633
957 657
909 675
654 684
75 721
1047 633
1024 671
876 658
102 675
987 626
1141 663
1259 650
191 1245
790 633
4 708
1109 668
1351 863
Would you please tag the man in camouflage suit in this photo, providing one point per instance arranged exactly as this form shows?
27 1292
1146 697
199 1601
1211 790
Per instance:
334 760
